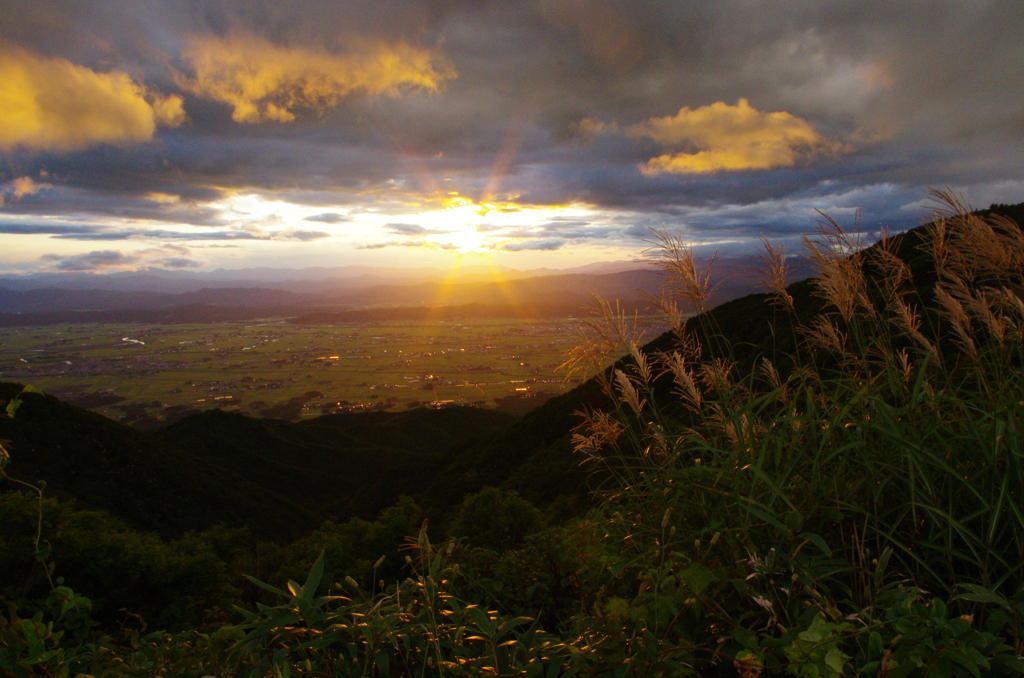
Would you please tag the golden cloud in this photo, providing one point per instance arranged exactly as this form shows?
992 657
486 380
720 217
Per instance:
53 104
266 82
723 137
19 188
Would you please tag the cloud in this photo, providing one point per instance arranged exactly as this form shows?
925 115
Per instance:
408 229
723 137
91 261
19 188
606 35
177 263
96 234
23 186
55 105
263 81
60 230
546 244
170 256
91 232
329 218
444 246
297 234
415 229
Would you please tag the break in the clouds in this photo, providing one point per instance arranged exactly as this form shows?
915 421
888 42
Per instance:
532 133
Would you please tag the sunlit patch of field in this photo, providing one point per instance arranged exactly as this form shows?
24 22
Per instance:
273 368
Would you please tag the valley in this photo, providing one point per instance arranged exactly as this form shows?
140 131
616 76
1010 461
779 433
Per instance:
153 375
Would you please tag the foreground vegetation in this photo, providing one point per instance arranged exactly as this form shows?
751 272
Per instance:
847 501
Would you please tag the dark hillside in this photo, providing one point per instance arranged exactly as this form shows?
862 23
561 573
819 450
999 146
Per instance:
279 479
339 465
148 483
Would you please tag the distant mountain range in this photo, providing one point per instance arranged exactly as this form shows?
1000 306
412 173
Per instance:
323 296
303 281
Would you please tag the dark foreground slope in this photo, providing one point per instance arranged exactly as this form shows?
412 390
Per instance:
339 465
278 478
150 484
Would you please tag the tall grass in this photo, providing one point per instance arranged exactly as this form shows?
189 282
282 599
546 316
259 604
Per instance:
896 428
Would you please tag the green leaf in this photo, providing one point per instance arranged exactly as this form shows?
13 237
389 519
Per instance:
942 668
696 578
266 587
834 660
770 519
875 646
745 637
316 573
817 541
980 594
963 660
383 662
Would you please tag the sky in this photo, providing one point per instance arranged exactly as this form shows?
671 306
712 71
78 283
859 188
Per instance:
204 134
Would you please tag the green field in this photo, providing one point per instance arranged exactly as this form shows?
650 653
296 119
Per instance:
147 374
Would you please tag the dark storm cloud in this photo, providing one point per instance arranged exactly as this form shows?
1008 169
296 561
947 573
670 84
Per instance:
542 107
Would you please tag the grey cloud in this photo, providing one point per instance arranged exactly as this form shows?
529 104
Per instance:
561 231
157 234
329 218
415 229
60 230
527 245
177 263
170 256
488 228
408 243
407 229
92 261
300 235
